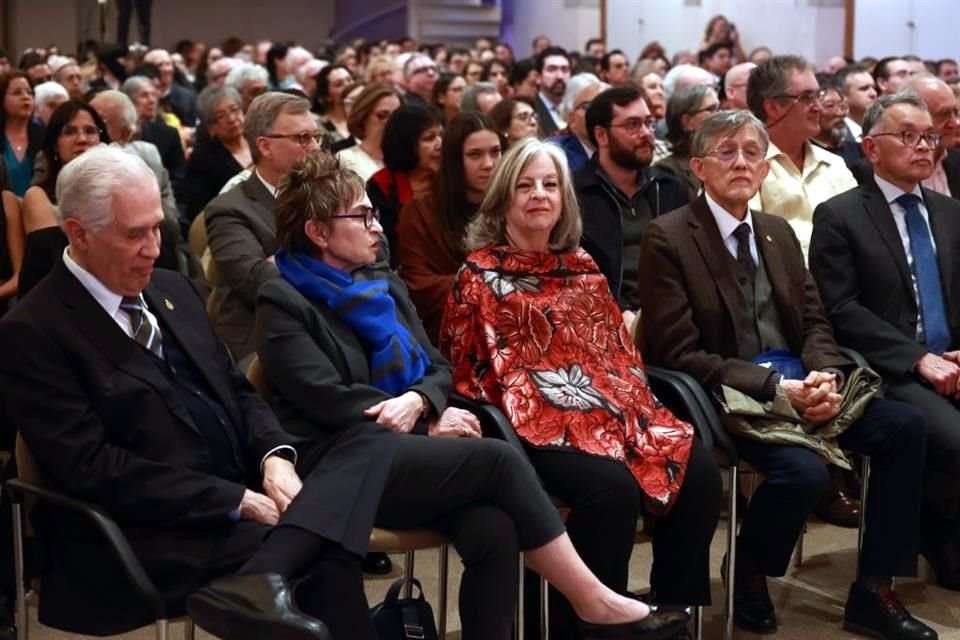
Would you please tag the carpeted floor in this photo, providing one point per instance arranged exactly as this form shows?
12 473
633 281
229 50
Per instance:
809 600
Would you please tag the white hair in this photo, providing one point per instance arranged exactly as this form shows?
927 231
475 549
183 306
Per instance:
87 184
577 84
47 90
684 75
56 62
296 57
243 73
309 69
119 99
222 67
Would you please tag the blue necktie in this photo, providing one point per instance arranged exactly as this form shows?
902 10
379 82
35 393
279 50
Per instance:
925 268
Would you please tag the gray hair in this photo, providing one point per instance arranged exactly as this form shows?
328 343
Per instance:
680 72
124 103
875 113
263 113
723 125
133 85
243 73
684 102
409 62
577 84
87 184
46 90
489 226
208 99
771 79
468 103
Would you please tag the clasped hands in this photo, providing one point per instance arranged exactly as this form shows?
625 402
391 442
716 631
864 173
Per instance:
942 372
400 414
281 485
816 397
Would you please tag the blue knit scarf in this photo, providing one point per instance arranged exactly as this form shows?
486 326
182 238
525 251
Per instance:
397 361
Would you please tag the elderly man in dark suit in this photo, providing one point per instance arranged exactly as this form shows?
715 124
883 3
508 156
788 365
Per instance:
241 230
885 257
723 288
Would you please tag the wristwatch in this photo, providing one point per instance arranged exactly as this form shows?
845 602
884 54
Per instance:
426 403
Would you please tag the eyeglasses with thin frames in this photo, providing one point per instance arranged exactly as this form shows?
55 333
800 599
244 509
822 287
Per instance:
807 97
729 154
304 138
368 214
635 125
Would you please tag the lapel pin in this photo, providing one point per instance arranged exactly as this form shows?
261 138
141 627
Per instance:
168 304
769 239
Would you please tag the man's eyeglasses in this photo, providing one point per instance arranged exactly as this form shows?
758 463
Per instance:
304 138
729 154
424 69
913 138
635 125
369 215
807 97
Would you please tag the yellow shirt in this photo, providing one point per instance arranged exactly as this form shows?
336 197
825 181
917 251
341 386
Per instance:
793 194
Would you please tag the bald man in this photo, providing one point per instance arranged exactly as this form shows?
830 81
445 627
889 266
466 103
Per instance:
942 103
576 144
735 86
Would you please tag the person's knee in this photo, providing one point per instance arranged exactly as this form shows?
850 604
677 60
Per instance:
610 496
485 532
806 476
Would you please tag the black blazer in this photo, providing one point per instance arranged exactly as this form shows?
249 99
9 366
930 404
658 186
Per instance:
210 166
317 368
167 141
545 118
859 263
107 427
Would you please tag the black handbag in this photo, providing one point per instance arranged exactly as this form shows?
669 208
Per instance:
399 618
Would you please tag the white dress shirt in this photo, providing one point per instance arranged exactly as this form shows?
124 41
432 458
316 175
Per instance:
891 192
728 223
855 129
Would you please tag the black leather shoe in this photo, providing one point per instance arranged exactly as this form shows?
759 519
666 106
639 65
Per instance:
378 564
252 608
945 560
881 615
8 629
659 625
752 608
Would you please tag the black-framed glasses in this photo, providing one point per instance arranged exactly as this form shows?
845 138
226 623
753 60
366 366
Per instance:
635 125
913 138
304 138
807 97
368 214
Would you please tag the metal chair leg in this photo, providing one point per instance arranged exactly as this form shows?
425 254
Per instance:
731 552
864 488
544 609
798 558
442 605
189 631
163 629
408 574
698 623
519 620
22 617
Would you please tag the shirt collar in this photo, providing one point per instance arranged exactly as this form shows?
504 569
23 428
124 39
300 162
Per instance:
726 221
891 191
272 190
812 156
548 102
109 300
855 129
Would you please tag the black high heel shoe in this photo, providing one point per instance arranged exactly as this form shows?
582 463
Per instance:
659 625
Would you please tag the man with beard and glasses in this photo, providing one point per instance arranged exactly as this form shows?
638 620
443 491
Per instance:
618 191
834 135
553 65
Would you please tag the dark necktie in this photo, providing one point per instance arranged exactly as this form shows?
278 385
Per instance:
927 272
744 259
144 330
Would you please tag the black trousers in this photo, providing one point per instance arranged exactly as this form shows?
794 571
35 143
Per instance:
940 515
125 10
480 493
893 434
605 502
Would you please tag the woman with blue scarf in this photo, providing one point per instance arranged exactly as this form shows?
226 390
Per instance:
346 359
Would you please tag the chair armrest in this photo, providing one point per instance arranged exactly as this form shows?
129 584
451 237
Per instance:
18 491
855 356
697 403
492 421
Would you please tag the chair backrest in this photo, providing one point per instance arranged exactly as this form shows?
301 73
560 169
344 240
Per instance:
257 377
197 236
29 471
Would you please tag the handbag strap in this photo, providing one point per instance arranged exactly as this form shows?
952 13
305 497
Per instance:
393 593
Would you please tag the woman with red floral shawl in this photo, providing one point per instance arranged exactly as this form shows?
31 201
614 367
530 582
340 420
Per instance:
531 326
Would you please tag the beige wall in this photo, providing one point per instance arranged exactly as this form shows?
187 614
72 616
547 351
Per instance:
41 22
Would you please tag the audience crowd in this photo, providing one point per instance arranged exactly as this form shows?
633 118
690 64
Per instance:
381 235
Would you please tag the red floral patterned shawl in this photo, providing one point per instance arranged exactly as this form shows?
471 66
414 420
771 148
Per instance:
540 336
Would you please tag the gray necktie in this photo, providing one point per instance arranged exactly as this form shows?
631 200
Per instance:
144 330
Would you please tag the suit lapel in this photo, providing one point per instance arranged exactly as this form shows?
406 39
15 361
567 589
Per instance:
878 211
264 202
93 323
706 235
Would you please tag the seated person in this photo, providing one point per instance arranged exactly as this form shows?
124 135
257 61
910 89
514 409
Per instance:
725 291
883 255
221 154
11 241
431 227
515 119
411 157
367 120
241 232
531 327
345 357
688 107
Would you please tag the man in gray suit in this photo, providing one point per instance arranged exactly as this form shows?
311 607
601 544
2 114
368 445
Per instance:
240 227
